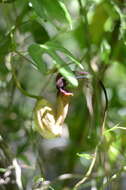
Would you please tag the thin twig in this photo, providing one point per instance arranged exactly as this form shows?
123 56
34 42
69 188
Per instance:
62 178
89 170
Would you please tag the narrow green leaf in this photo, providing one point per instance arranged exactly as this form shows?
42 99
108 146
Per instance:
67 15
39 8
52 11
64 69
57 47
51 188
36 52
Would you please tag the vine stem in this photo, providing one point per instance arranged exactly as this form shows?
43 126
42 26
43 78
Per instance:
18 85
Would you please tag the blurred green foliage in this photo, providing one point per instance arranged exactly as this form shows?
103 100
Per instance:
38 39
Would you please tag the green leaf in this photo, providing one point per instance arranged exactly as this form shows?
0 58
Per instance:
67 15
2 170
52 11
51 188
5 44
113 151
57 47
38 179
122 19
105 51
64 69
36 52
5 48
25 159
108 15
84 155
97 25
39 8
3 69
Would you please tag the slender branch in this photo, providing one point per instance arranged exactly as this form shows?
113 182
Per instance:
62 177
65 177
89 170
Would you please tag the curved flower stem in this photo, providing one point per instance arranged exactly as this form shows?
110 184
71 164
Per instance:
18 85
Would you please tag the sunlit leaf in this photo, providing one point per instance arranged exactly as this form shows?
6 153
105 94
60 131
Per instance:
36 52
55 46
52 11
84 155
66 13
105 51
64 69
113 151
122 19
2 170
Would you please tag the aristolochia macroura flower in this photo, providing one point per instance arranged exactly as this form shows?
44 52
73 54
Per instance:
49 120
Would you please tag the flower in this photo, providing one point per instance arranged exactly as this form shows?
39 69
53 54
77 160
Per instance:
49 120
